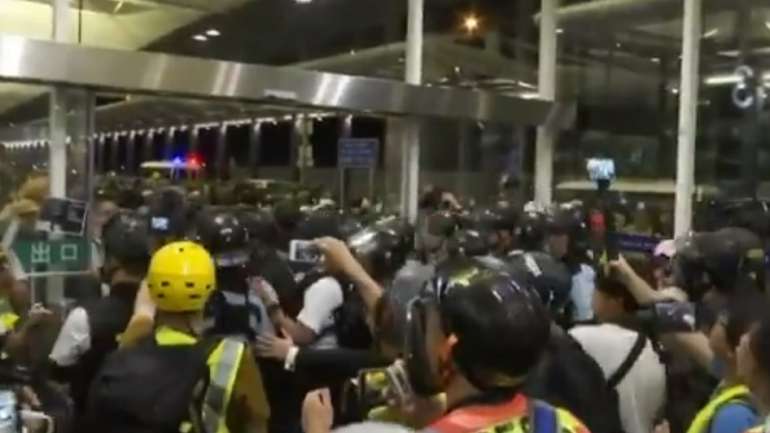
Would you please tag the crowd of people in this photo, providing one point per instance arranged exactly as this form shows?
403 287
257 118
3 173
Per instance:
506 318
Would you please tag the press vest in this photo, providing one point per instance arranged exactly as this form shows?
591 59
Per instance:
703 419
520 415
223 363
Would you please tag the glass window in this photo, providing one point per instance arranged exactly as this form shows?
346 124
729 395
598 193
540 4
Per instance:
31 19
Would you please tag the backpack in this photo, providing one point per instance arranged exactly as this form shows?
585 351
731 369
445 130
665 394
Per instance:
150 388
570 378
350 325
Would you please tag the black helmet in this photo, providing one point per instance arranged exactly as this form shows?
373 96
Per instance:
223 235
706 260
126 238
384 249
500 325
500 217
168 213
549 277
318 224
468 243
259 224
530 233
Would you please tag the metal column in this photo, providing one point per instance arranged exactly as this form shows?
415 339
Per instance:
221 152
255 147
410 146
62 32
546 80
168 142
131 152
688 115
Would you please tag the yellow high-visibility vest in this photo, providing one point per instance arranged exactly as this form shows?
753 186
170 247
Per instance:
702 420
224 363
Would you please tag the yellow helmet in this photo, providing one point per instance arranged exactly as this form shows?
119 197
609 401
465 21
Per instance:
181 277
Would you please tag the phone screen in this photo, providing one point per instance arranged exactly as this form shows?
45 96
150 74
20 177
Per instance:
600 169
304 251
159 224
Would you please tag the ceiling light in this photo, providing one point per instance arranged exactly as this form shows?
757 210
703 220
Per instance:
655 60
711 33
213 33
767 24
471 23
559 31
722 79
200 38
304 1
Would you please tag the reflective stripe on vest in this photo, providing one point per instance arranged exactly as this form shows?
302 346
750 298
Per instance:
510 417
703 419
223 364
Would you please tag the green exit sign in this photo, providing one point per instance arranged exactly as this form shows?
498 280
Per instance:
60 255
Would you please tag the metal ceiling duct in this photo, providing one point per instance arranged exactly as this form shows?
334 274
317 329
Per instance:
629 13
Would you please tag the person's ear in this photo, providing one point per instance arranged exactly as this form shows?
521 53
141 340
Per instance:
446 366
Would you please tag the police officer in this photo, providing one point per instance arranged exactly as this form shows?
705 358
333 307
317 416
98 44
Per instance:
475 334
181 278
91 332
233 308
499 222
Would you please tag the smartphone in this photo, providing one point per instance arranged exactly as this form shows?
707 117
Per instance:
675 316
600 169
304 251
159 224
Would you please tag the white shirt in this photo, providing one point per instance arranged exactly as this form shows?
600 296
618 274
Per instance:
74 339
642 391
321 299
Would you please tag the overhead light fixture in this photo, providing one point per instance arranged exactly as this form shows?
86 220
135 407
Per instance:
655 60
711 33
213 33
559 31
722 79
200 38
471 23
767 24
304 1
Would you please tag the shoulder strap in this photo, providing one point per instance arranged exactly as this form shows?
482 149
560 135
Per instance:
544 416
628 363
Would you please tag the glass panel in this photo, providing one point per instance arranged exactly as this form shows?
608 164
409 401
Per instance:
28 18
733 153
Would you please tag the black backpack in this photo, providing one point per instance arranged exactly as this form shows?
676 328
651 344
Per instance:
570 378
150 388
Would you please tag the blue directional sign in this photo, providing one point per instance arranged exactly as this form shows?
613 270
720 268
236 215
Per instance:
358 152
